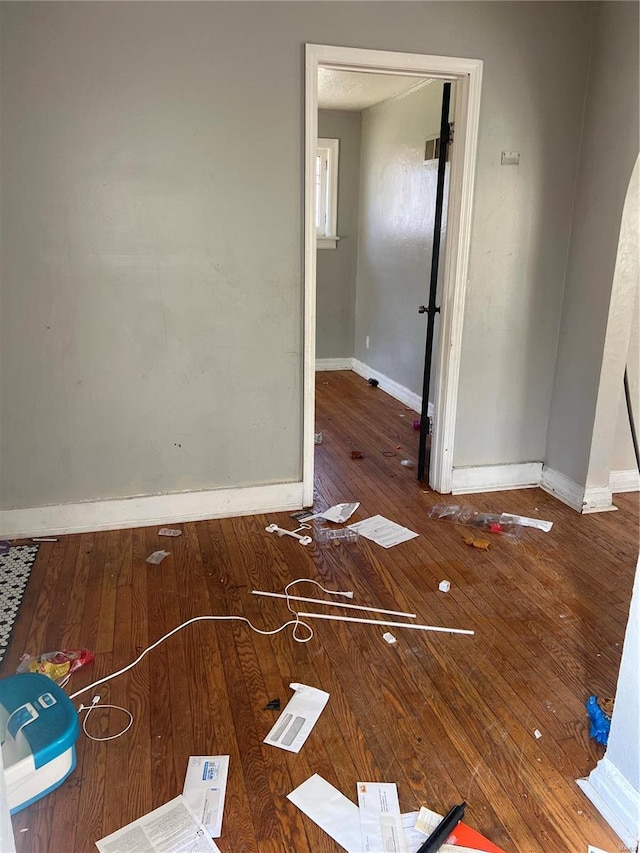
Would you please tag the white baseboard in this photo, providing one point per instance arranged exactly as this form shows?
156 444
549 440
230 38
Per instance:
562 487
589 500
495 478
148 511
334 364
394 389
616 800
597 499
624 481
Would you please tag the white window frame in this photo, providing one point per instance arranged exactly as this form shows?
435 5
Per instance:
327 228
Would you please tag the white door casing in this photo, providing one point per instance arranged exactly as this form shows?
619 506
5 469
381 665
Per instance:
467 74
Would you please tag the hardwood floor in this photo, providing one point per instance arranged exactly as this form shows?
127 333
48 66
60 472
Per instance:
445 717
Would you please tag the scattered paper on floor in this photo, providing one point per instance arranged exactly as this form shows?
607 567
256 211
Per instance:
331 810
382 531
204 789
172 828
380 820
299 717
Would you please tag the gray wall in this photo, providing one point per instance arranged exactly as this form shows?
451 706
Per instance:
152 251
336 270
397 207
606 164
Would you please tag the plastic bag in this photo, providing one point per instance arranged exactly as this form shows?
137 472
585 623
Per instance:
57 665
471 517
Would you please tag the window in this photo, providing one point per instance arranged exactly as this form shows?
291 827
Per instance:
327 193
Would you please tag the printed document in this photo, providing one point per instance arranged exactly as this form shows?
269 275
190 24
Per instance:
380 819
204 788
172 828
382 531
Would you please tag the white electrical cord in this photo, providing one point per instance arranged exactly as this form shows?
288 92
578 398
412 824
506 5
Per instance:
92 707
295 622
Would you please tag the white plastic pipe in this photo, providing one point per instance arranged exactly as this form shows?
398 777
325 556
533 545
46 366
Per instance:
335 603
389 624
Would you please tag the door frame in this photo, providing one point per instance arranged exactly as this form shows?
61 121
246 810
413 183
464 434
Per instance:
467 74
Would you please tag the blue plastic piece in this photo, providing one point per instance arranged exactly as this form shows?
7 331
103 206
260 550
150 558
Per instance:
50 724
600 723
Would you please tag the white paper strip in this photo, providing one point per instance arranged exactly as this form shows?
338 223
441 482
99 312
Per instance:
528 522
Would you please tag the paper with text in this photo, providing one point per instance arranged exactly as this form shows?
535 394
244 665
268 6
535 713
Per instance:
382 531
380 819
204 789
294 725
172 828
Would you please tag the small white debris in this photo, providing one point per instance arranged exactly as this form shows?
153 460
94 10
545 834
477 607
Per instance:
538 734
157 557
389 637
169 531
444 586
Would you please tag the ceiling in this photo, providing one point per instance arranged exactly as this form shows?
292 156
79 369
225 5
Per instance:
357 90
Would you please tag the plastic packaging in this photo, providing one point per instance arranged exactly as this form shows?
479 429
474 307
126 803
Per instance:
317 438
600 724
58 666
157 557
471 517
342 536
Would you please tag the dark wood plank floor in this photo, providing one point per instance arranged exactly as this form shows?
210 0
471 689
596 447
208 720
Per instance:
445 717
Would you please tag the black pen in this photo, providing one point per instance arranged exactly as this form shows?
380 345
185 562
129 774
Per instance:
443 830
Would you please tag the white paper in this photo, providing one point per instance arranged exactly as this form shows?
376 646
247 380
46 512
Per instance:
382 531
528 522
338 513
331 810
172 828
294 724
205 785
380 820
415 838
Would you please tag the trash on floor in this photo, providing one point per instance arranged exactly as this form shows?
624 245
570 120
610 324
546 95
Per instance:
342 536
169 531
389 638
317 438
471 517
340 818
408 463
373 382
43 539
187 833
157 557
380 818
5 547
416 423
58 666
444 586
338 513
383 532
538 734
289 598
205 786
600 723
302 538
465 836
357 454
272 705
300 715
482 544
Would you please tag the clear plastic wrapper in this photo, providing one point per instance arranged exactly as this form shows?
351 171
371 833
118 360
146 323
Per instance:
489 522
56 665
341 536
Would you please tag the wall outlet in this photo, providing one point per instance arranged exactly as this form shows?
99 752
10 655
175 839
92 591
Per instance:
366 341
510 158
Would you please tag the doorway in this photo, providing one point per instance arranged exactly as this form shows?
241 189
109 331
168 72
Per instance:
467 74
